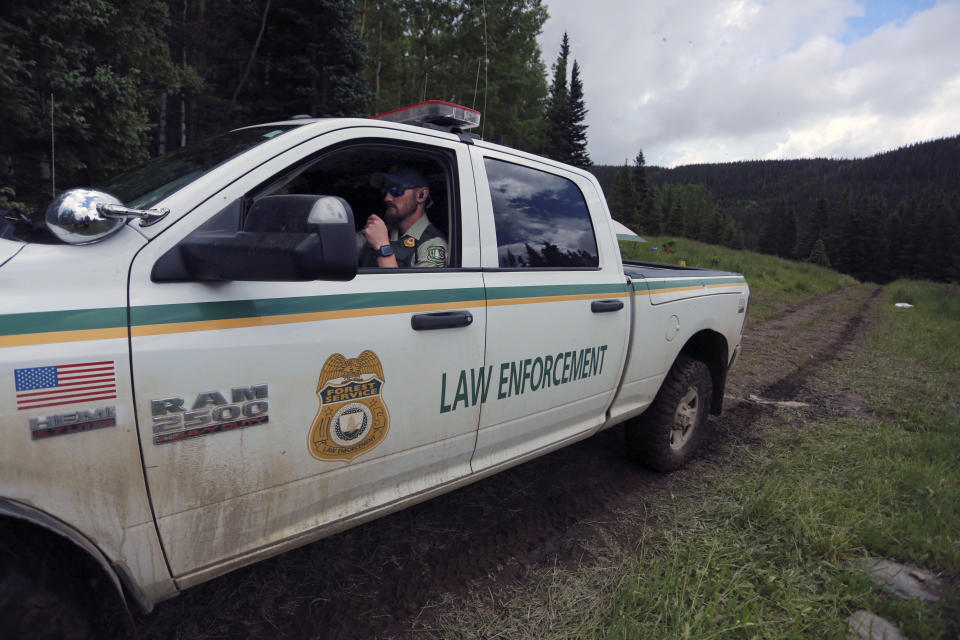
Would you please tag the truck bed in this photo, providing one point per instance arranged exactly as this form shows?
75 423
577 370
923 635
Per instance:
639 269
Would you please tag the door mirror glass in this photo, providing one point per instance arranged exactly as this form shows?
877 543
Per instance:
75 219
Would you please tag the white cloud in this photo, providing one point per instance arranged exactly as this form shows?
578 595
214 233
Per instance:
702 81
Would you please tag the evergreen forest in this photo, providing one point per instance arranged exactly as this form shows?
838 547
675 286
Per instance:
892 215
89 88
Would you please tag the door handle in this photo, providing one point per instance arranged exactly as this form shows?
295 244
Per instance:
441 320
606 306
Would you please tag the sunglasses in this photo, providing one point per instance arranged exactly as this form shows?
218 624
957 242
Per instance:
395 190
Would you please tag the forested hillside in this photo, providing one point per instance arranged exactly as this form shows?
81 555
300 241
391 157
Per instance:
891 176
91 87
896 214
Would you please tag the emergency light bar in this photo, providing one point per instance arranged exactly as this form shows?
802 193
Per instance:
434 114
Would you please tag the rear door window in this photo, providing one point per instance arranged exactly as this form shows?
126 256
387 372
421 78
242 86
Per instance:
541 219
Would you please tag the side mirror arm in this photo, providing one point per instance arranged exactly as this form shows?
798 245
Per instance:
147 217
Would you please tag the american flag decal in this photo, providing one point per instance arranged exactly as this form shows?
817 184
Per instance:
64 384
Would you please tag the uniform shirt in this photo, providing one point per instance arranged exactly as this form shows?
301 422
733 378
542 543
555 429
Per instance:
421 246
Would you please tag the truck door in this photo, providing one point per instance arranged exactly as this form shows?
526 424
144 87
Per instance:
557 306
271 413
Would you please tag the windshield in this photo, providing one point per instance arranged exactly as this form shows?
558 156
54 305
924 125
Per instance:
146 185
143 187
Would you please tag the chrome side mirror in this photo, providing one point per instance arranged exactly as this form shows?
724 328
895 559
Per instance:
82 216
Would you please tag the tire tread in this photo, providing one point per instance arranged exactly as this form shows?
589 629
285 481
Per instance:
648 436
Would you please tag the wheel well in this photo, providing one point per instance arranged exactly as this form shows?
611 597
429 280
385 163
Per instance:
710 348
38 550
24 543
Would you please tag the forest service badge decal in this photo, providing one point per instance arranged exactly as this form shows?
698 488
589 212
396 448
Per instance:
352 418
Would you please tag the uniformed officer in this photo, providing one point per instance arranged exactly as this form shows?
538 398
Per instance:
404 237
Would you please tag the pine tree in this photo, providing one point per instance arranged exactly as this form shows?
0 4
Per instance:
854 252
897 256
663 204
815 228
833 235
818 254
714 234
649 216
912 238
732 234
623 198
779 235
953 214
787 240
874 242
677 217
556 144
770 237
578 113
937 249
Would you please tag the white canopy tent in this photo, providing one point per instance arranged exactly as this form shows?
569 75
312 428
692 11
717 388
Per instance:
625 233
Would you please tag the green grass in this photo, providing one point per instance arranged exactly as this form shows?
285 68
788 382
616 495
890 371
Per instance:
774 282
767 551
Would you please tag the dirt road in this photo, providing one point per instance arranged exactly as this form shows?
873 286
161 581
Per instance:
395 577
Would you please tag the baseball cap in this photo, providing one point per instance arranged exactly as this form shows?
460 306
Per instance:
403 176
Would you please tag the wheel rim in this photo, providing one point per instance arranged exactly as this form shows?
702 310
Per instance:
685 418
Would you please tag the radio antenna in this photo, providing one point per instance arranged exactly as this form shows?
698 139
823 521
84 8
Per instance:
486 67
476 84
53 154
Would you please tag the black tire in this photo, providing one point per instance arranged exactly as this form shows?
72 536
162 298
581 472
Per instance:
668 432
30 609
40 597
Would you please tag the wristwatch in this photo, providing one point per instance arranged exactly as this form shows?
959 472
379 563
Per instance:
385 250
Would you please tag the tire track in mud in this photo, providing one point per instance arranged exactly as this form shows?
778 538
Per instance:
739 415
786 388
392 577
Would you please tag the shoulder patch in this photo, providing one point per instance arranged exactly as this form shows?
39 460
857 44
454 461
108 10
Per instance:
437 255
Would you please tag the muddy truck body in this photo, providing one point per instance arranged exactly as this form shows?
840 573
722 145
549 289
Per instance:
196 375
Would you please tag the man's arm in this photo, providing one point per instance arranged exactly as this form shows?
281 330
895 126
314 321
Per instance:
377 235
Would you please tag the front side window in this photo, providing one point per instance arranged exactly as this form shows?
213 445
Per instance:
542 219
409 188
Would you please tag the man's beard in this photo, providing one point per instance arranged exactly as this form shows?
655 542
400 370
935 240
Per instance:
392 216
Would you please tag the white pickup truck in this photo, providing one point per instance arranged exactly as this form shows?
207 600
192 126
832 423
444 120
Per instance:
196 375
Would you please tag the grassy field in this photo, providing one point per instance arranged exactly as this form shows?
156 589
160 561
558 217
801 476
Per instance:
774 282
767 550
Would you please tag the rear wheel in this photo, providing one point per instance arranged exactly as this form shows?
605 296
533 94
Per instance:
667 433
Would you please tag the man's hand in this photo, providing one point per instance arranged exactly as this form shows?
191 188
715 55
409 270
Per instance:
376 231
377 235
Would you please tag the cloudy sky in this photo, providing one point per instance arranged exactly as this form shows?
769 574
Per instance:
723 80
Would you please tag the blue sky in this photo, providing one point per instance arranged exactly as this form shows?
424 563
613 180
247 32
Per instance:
877 13
725 80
